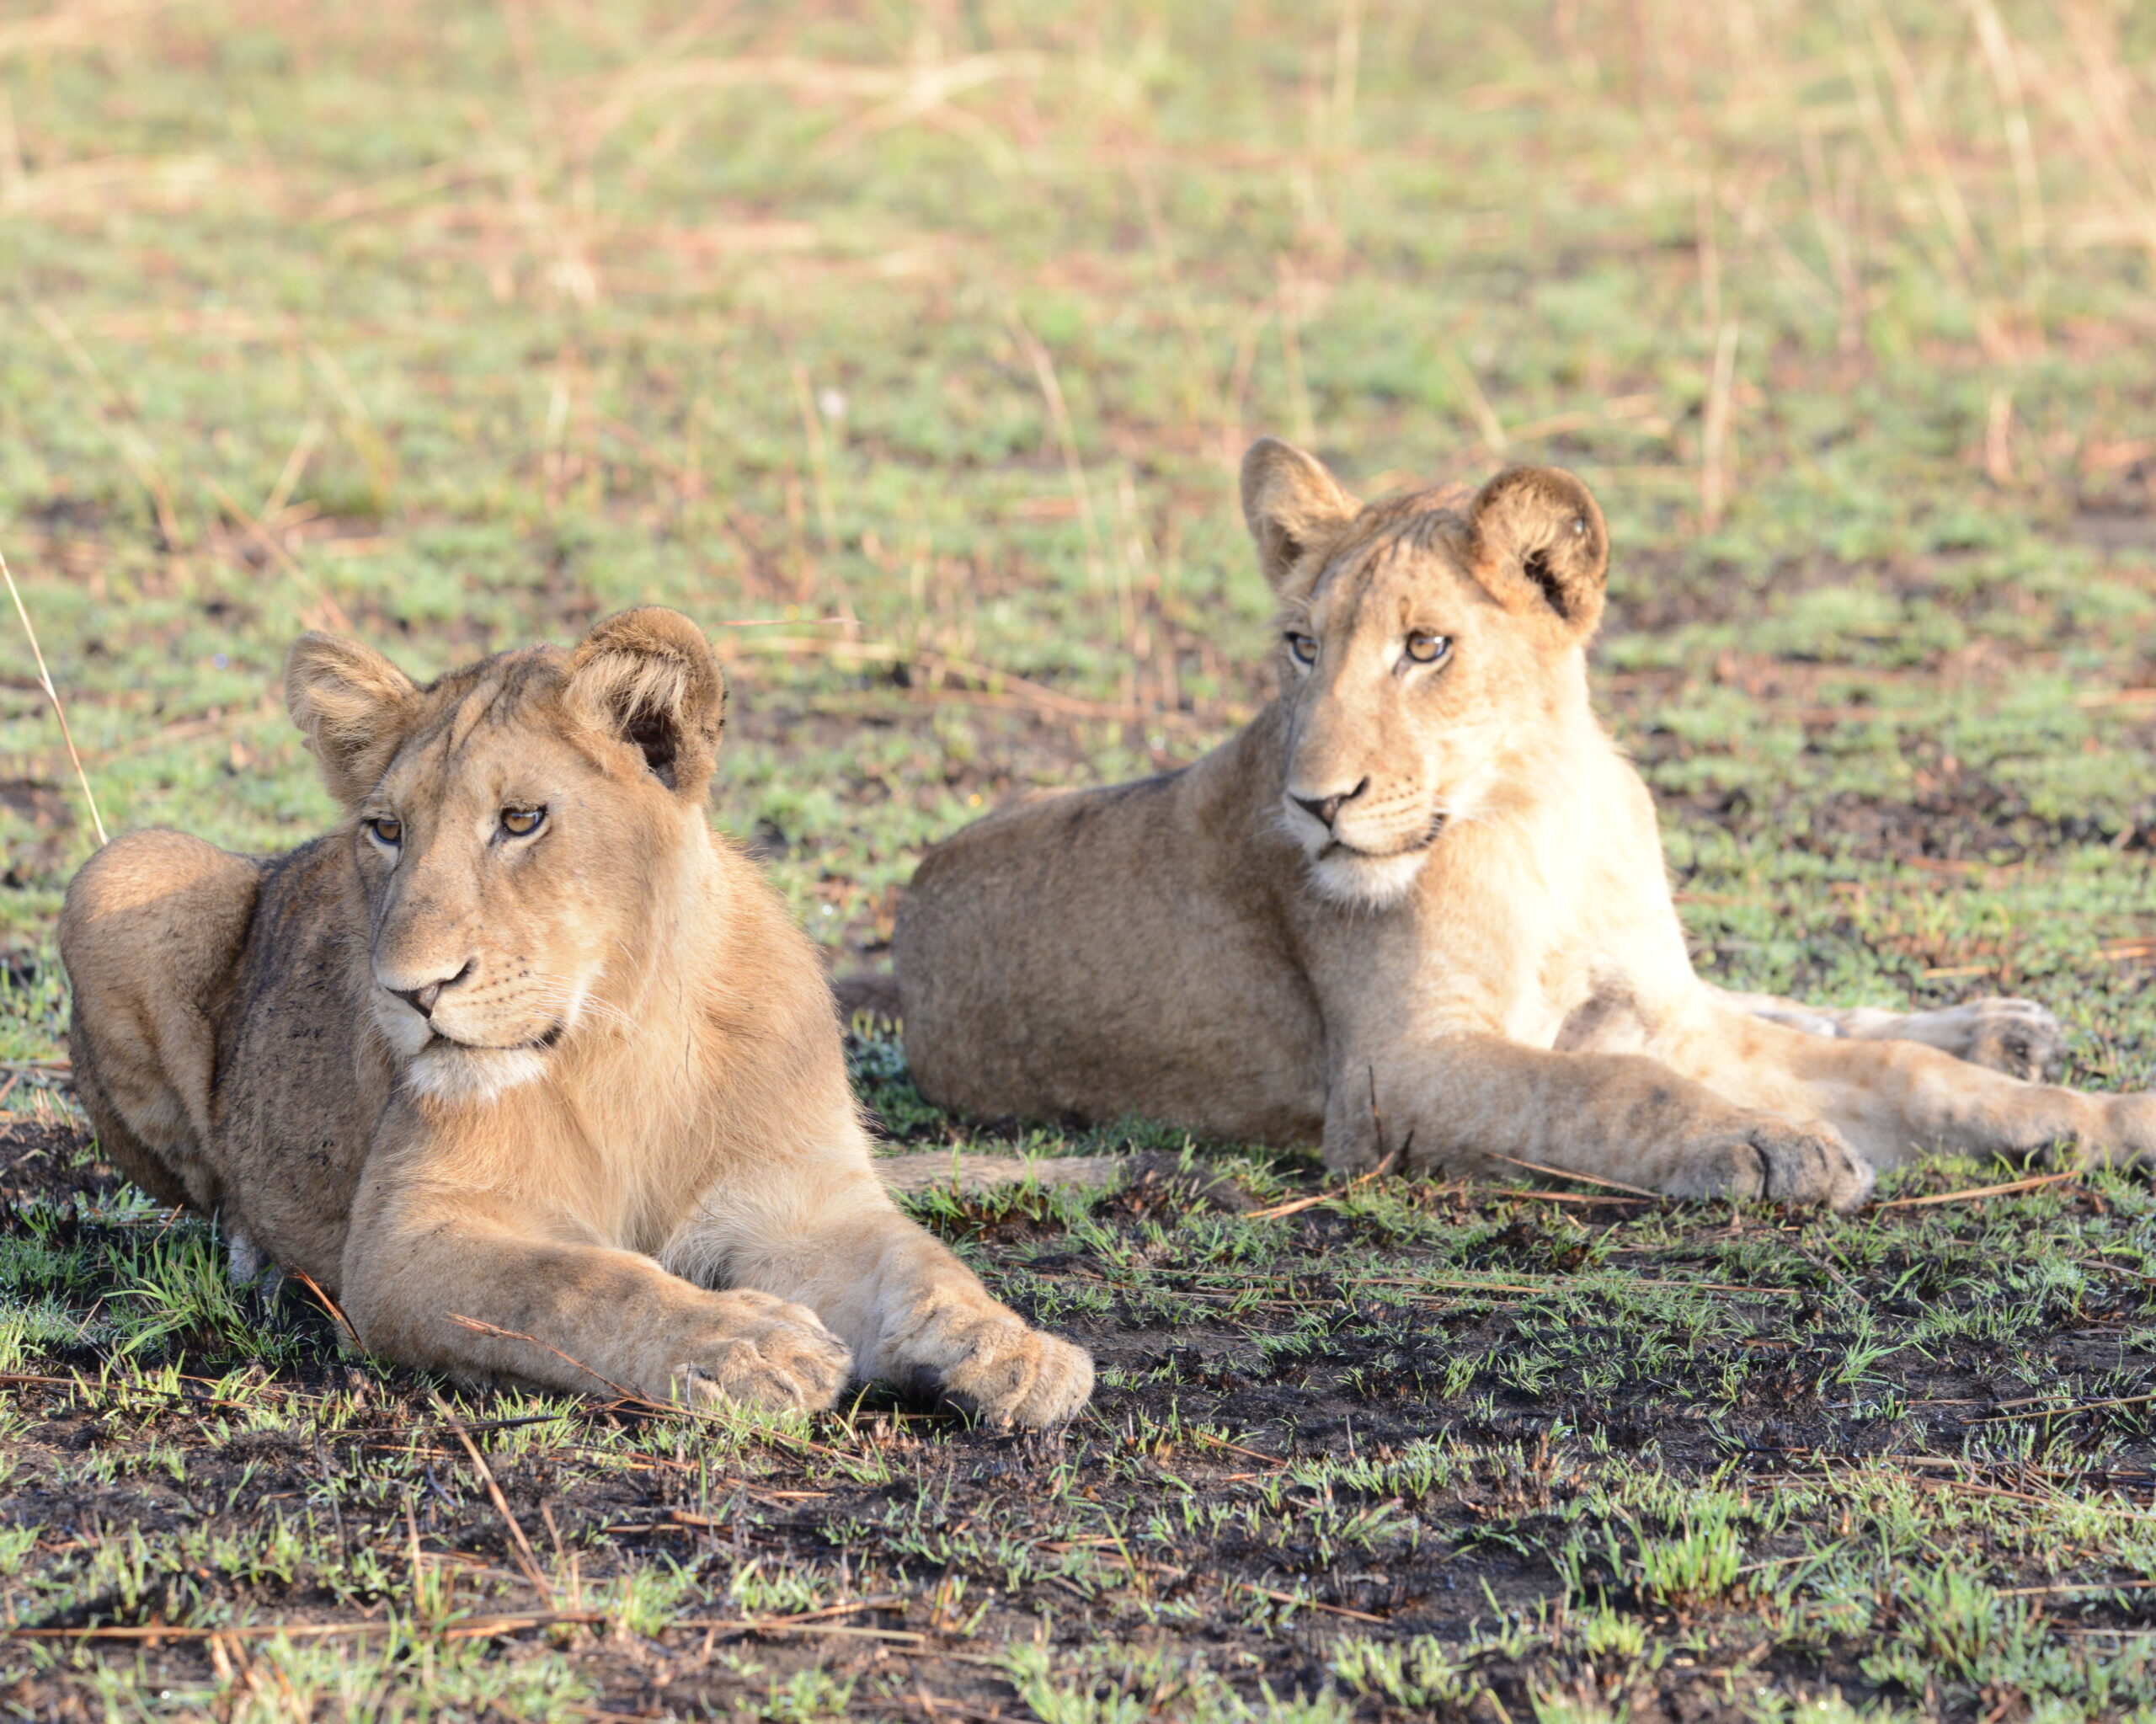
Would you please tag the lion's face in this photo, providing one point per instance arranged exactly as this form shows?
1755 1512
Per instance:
519 832
1422 641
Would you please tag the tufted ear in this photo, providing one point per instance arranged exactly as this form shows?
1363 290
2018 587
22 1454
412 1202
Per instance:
649 678
1535 538
353 706
1293 508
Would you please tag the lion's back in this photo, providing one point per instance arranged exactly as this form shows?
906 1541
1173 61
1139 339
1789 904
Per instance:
1077 957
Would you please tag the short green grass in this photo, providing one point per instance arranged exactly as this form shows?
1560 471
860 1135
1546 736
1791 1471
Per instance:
922 340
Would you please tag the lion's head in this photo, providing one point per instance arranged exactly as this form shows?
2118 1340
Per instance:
524 833
1427 642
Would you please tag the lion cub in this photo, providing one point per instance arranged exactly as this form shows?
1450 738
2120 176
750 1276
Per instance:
520 1045
1417 909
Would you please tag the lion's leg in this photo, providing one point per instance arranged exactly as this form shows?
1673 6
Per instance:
151 934
557 1309
2017 1037
1896 1099
1477 1103
822 1231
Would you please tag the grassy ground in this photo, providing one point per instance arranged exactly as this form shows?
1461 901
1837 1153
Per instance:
924 338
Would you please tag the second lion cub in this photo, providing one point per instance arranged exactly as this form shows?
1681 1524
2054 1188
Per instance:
1418 909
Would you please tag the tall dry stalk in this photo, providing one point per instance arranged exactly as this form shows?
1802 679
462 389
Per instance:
53 693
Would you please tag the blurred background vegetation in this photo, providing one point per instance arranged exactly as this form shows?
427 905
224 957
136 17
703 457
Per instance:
911 348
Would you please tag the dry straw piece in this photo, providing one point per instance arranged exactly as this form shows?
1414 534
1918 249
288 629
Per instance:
53 693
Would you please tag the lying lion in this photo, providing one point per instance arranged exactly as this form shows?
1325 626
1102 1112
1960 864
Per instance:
1418 910
519 1064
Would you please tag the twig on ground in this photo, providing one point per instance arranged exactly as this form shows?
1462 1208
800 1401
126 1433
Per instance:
479 1327
2091 1262
53 693
525 1558
1387 1159
1213 1442
156 1631
1309 1603
1637 1190
1296 1206
329 1304
750 1625
1979 1190
1560 1196
2039 1413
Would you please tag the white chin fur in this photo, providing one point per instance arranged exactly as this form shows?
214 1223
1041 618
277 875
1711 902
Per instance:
1346 877
1367 882
442 1073
403 1031
445 1073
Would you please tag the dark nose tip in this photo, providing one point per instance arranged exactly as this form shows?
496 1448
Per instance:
1326 809
421 999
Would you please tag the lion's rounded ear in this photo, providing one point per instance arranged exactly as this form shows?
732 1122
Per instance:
353 706
648 677
1535 537
1293 509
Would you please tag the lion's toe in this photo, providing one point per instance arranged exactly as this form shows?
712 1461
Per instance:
2017 1037
1015 1375
772 1354
1811 1164
1778 1161
1062 1384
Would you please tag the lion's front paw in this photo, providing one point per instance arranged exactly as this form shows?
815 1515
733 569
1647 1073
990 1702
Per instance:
1013 1374
766 1352
1781 1162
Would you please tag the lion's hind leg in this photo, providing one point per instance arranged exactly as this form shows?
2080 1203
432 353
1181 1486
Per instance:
2017 1037
1897 1097
151 935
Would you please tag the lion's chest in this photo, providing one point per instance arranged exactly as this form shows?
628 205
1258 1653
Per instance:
1576 1000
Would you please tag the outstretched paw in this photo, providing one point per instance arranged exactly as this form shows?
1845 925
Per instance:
2017 1037
766 1352
1781 1162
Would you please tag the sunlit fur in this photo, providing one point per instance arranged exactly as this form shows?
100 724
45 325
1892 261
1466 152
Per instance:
622 1143
1434 746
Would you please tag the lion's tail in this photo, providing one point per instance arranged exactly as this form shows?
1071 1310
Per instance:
931 1170
945 1170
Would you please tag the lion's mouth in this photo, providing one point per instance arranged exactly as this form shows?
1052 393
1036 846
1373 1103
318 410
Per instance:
538 1044
1340 847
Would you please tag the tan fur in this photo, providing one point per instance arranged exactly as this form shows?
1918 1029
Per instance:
624 1130
1418 911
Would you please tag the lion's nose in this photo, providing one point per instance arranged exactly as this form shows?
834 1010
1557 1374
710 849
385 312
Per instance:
1325 809
422 999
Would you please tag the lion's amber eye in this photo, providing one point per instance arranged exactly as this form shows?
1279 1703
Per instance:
1304 647
522 822
387 831
1428 648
